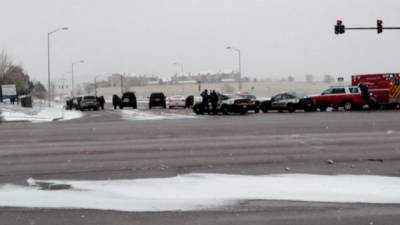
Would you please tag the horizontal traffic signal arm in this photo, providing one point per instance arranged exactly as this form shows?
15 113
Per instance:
340 28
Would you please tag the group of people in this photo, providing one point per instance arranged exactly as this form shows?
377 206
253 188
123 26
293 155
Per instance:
208 98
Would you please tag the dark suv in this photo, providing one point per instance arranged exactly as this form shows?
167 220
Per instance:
157 99
128 100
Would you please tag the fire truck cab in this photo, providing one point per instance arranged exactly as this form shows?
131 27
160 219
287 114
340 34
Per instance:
385 87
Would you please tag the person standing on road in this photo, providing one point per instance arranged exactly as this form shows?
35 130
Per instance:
205 100
102 101
115 101
214 101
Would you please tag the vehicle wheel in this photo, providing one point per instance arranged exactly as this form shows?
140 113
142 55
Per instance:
257 110
150 106
243 111
264 109
170 107
121 106
322 108
348 106
224 110
291 108
134 106
396 106
198 110
280 110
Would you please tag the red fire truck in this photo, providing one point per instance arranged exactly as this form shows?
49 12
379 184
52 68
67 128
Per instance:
385 87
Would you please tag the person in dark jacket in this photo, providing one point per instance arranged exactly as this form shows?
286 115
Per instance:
364 91
214 101
205 100
102 101
115 101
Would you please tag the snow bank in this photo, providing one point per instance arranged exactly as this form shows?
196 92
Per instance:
202 191
142 115
10 113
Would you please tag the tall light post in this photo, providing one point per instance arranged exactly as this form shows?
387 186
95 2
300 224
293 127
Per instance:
95 83
48 62
63 83
72 76
240 65
182 74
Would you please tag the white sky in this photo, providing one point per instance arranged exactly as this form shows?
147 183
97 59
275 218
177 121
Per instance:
277 37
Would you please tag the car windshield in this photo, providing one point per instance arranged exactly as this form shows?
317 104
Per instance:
157 95
89 98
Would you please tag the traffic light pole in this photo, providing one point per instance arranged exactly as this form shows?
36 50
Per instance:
371 28
340 28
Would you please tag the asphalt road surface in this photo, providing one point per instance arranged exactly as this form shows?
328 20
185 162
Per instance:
103 146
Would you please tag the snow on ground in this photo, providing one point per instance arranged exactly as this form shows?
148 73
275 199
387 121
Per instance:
40 113
153 115
202 191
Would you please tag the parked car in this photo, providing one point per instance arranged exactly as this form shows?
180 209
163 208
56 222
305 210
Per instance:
176 101
288 101
157 99
255 103
89 102
226 104
128 100
349 98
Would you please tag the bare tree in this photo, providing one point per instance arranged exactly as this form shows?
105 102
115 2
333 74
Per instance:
5 64
14 74
290 78
38 90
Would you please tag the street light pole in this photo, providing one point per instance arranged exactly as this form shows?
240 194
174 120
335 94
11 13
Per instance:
95 83
182 74
48 63
240 65
72 76
95 86
122 84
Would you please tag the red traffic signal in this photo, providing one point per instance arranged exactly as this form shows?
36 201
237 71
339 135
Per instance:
379 26
339 27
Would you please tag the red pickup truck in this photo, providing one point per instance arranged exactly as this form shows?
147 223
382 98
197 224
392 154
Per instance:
347 97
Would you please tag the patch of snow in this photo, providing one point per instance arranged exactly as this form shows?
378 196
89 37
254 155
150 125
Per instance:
37 114
142 115
201 191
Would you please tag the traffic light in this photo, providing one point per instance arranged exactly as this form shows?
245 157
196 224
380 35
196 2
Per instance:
339 27
379 26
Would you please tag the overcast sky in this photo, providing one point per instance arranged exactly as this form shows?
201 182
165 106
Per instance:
277 37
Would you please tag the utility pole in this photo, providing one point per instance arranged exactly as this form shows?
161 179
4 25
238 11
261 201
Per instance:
240 65
122 84
48 62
